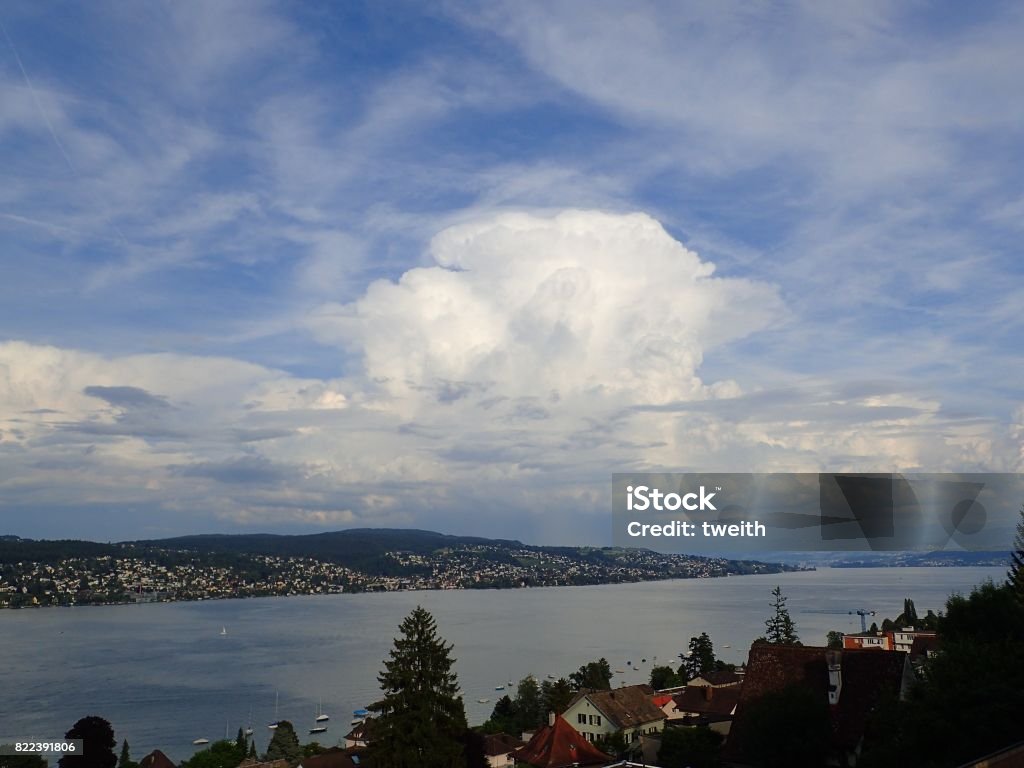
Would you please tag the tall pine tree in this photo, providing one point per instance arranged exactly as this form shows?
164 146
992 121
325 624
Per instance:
1015 578
779 628
421 721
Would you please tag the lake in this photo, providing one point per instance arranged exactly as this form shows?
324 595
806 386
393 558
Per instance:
164 675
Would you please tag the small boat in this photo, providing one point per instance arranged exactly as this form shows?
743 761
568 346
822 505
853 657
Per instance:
320 716
273 726
223 631
318 729
482 701
620 671
727 646
361 713
551 677
200 742
499 687
248 728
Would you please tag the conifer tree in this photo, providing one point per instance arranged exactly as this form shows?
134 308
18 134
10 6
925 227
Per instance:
780 629
240 743
1015 578
252 749
284 744
421 720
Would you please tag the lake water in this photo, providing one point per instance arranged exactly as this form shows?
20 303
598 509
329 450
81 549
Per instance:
163 675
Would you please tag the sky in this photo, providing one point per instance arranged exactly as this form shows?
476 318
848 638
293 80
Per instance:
296 267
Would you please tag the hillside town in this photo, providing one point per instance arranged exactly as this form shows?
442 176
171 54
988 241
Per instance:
162 575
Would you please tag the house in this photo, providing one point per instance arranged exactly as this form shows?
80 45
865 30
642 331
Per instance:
852 682
156 759
498 749
720 679
251 762
903 639
706 705
629 710
335 757
559 745
924 647
361 735
867 640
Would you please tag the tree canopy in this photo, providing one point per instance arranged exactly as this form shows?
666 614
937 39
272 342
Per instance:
421 720
220 754
596 676
1015 578
98 744
779 628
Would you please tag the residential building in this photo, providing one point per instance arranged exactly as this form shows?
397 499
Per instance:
707 706
867 641
629 710
720 679
156 759
498 749
335 757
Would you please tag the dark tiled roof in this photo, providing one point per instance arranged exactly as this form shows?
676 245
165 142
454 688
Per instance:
625 707
711 701
560 746
335 757
156 759
501 744
866 675
363 731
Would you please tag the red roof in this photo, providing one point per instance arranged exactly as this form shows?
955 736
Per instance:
156 759
662 699
560 746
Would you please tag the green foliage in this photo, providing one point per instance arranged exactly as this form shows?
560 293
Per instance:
973 688
504 718
664 677
701 660
689 748
312 749
98 744
834 639
125 760
556 695
595 676
284 744
22 761
220 754
787 728
241 743
421 720
613 744
779 628
529 705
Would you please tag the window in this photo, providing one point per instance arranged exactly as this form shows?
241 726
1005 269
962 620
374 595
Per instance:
581 719
598 719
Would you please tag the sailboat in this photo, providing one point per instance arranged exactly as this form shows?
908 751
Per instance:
274 724
248 728
200 742
321 717
223 631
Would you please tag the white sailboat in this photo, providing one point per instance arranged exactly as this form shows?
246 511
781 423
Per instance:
223 631
248 728
200 742
274 724
320 716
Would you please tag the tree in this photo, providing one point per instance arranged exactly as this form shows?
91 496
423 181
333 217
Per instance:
613 744
689 748
284 744
909 613
528 705
834 639
664 677
241 743
701 659
973 688
1015 577
125 760
220 754
21 761
779 629
421 719
503 718
595 676
97 744
556 695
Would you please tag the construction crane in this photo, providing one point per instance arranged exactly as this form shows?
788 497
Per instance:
863 617
862 612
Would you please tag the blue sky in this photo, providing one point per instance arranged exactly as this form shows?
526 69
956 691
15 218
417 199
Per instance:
297 267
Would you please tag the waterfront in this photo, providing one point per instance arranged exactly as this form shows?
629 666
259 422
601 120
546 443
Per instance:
164 675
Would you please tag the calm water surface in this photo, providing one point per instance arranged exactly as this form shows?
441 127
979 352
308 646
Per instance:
163 675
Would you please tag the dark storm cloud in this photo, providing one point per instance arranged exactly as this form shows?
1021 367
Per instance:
127 397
